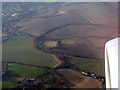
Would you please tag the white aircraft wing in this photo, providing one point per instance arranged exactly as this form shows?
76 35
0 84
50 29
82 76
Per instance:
112 63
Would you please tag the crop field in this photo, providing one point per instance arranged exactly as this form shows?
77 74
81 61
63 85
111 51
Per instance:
91 34
25 71
43 25
76 79
68 42
75 33
95 66
82 47
90 23
20 49
51 44
88 38
20 71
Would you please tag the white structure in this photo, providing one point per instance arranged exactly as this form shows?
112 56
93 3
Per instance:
112 63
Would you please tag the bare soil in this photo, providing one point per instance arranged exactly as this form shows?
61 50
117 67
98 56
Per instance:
78 80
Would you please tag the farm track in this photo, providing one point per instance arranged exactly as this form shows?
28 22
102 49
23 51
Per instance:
59 61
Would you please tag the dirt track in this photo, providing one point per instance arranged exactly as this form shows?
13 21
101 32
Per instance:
59 61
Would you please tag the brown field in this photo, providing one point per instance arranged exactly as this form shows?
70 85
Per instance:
78 80
90 25
45 24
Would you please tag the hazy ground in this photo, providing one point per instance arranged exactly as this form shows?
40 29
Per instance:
82 29
90 25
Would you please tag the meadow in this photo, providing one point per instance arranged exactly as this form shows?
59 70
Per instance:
21 49
91 65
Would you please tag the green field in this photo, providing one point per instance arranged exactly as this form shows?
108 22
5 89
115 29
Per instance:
95 66
20 49
25 71
21 71
9 82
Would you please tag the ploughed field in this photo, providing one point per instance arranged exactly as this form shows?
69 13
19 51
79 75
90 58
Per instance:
21 49
90 25
76 79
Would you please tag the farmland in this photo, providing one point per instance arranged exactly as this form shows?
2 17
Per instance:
89 24
15 71
51 44
91 65
20 49
76 79
25 71
65 38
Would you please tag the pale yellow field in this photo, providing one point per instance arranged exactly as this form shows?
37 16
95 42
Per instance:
68 41
51 44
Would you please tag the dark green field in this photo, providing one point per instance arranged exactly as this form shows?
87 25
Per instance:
20 49
8 82
20 71
25 71
95 66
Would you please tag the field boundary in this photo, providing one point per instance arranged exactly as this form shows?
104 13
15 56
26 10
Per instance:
27 64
